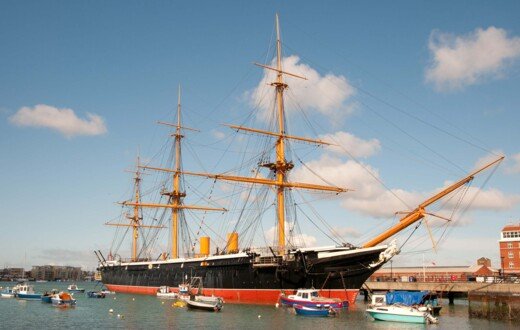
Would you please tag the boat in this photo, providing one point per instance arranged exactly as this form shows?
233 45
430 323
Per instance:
96 294
209 304
63 299
381 311
311 298
7 293
106 291
47 296
248 273
424 298
73 288
26 292
165 293
314 311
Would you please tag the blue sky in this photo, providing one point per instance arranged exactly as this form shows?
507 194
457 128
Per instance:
455 65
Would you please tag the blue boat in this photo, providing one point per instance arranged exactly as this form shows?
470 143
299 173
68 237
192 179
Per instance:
95 294
8 293
27 292
314 311
47 295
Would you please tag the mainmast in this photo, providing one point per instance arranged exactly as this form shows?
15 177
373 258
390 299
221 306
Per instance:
281 166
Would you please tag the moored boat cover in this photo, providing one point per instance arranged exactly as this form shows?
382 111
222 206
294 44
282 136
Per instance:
405 297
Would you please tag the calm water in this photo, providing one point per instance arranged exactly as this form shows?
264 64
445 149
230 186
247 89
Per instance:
147 312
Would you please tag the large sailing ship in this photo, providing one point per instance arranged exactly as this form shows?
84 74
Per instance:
245 274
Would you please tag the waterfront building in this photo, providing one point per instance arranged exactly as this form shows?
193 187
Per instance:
53 273
434 273
509 245
9 274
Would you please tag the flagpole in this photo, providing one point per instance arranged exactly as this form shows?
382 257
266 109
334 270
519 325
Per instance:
423 269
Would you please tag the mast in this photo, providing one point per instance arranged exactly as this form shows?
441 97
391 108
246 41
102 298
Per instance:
420 211
280 166
176 196
135 218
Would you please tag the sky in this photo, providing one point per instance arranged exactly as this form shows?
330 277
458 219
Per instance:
417 93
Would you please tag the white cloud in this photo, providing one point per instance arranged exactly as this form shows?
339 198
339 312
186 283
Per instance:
299 240
459 61
219 135
355 146
347 231
371 198
328 94
488 199
62 120
514 168
481 162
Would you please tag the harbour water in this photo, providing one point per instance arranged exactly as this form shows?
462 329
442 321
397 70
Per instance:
148 312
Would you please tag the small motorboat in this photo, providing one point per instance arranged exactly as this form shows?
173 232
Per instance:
47 296
96 294
25 291
209 304
7 293
106 291
74 288
63 299
311 298
164 292
314 311
380 311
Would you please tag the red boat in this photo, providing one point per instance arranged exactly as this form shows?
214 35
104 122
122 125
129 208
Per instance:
311 298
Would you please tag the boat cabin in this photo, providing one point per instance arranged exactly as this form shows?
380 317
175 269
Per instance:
305 294
378 300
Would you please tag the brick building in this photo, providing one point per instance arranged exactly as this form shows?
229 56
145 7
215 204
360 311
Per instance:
433 273
510 249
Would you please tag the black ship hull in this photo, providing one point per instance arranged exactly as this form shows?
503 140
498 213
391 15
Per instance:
250 278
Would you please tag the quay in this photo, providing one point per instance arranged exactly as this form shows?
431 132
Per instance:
450 290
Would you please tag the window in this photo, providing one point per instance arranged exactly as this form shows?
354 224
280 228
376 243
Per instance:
510 255
509 245
511 264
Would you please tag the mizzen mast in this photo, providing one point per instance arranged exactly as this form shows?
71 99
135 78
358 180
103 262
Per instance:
136 219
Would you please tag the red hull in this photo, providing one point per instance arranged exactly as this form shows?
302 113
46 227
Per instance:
240 296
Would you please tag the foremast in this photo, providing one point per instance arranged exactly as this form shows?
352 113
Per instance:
176 196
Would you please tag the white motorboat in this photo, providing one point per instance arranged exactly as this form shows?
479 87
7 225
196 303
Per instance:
380 311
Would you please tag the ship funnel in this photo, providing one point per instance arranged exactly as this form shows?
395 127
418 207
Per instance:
232 242
204 246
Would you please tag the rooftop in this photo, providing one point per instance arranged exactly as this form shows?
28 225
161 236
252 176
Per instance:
511 227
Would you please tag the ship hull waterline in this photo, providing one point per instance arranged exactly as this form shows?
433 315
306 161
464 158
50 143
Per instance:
240 278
